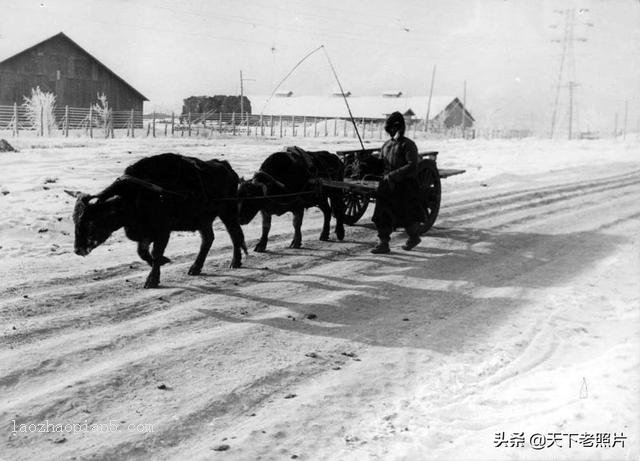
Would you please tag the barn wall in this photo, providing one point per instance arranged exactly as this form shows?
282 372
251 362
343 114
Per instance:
58 66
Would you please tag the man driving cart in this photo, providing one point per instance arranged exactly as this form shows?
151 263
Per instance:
398 195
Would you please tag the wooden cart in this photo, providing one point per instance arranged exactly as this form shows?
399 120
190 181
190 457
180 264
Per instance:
359 192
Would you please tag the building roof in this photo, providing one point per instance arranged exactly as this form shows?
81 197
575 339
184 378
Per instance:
361 106
65 37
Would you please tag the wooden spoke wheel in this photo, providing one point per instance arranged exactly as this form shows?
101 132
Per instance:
430 192
355 205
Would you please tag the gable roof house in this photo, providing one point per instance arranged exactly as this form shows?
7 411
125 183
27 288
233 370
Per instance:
61 66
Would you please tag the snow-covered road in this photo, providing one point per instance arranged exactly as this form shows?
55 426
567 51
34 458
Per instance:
519 312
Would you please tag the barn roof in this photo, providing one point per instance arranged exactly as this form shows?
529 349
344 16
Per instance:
361 106
65 37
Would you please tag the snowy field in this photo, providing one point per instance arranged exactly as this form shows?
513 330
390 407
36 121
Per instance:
518 313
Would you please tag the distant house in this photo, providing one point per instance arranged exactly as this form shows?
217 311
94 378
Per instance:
445 111
61 66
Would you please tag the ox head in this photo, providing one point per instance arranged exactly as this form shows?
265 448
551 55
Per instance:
249 203
95 220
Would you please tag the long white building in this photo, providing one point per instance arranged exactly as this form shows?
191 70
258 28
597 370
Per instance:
447 110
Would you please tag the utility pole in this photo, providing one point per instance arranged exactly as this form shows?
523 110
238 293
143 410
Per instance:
242 80
567 68
241 95
464 107
571 86
426 122
626 107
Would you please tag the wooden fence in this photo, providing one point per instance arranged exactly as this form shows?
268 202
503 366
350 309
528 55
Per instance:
87 122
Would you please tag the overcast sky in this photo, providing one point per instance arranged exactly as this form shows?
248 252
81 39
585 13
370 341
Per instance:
169 49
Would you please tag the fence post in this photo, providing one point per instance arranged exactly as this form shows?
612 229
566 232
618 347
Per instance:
166 128
154 123
304 126
280 125
315 127
233 123
335 127
220 123
261 126
133 125
326 133
66 121
41 121
189 122
173 123
344 127
15 120
91 121
293 125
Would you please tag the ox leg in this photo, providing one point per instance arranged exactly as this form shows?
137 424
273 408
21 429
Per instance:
237 238
159 245
297 228
143 252
326 211
337 206
261 246
206 233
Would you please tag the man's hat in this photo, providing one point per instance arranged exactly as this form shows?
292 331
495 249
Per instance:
395 121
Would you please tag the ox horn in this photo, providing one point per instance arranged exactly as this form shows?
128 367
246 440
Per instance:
73 193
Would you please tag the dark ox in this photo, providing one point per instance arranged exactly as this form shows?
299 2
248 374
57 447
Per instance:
294 175
158 195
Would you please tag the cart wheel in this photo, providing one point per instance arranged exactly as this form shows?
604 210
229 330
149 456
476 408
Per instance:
354 207
429 180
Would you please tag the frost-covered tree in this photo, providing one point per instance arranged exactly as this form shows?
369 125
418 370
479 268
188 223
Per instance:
39 108
103 113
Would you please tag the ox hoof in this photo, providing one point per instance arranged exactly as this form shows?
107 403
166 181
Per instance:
259 248
194 270
295 245
340 234
324 238
151 283
164 260
235 264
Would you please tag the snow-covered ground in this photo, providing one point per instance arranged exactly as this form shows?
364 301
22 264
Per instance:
519 313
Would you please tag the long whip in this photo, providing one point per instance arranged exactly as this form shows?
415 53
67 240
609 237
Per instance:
355 127
288 75
335 74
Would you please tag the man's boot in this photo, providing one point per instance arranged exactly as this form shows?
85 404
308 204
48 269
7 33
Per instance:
382 248
414 237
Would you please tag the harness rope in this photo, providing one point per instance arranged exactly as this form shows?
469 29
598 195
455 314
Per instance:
161 190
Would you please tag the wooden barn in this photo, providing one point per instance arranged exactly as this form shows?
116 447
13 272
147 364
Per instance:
61 66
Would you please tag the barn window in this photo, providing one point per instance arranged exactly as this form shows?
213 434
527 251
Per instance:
94 72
